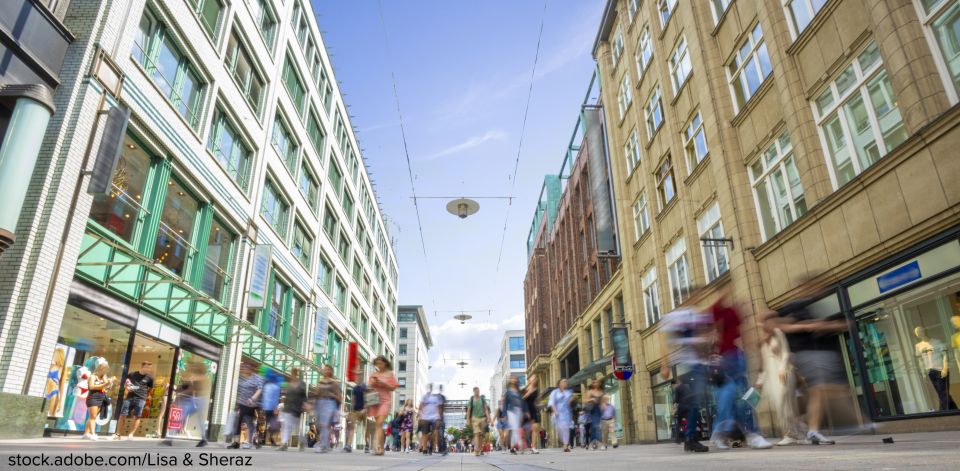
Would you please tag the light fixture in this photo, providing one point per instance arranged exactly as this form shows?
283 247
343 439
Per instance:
463 318
463 207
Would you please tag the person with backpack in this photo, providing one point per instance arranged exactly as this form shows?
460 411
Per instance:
478 415
359 413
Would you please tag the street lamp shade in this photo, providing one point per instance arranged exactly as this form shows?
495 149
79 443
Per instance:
463 318
463 207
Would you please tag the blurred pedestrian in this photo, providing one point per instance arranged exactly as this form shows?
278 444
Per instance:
270 404
560 408
191 397
778 381
688 330
593 402
531 395
406 425
383 382
608 413
478 415
431 409
249 390
514 405
293 405
326 399
358 415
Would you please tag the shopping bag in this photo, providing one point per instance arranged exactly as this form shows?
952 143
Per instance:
371 399
231 425
752 397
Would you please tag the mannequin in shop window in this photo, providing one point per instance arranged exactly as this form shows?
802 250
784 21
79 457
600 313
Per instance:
955 339
933 358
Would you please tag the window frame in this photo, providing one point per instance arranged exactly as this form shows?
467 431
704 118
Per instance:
641 216
784 155
707 223
668 7
674 255
665 174
718 8
616 47
306 244
650 112
677 60
285 210
222 122
624 95
292 157
231 61
644 44
738 76
927 20
269 38
811 9
651 296
631 151
692 129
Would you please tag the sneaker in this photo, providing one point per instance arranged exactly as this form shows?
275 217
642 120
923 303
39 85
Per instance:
757 442
347 449
536 451
283 447
201 443
695 447
85 436
787 441
817 439
566 449
513 451
167 442
94 437
233 446
720 443
615 445
245 446
257 445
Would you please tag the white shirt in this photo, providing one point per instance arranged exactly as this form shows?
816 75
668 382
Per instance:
688 329
431 406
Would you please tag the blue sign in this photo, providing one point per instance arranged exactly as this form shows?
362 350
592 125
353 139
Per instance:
258 279
899 277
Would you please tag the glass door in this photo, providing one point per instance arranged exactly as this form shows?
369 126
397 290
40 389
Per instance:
194 382
162 356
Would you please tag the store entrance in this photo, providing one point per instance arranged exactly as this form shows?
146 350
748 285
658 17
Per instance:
162 356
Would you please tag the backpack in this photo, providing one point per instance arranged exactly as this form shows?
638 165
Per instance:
358 391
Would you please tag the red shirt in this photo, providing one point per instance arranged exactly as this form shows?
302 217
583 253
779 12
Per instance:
728 321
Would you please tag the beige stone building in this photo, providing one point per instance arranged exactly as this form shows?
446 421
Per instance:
819 138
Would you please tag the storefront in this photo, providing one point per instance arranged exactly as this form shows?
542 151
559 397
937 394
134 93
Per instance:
611 387
667 422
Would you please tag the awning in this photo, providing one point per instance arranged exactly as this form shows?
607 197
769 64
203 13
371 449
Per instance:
587 372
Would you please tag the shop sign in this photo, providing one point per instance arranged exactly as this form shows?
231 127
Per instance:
320 332
924 266
176 418
259 277
899 277
622 372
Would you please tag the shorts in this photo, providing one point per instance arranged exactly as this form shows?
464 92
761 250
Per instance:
132 407
95 398
428 426
357 416
478 424
819 367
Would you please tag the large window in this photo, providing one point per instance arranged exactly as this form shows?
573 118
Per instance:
624 95
340 295
315 132
335 176
122 206
632 7
651 303
631 150
216 267
665 8
776 187
229 148
266 20
678 272
517 361
709 226
858 117
403 332
617 46
680 65
285 143
241 67
654 112
274 208
402 350
325 273
277 319
644 52
801 13
294 85
694 142
302 246
516 344
155 49
208 12
641 217
330 223
666 188
309 187
174 248
942 17
719 7
749 68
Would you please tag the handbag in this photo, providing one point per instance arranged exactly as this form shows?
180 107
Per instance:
371 399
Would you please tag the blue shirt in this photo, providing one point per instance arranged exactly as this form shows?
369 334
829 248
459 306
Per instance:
271 396
560 402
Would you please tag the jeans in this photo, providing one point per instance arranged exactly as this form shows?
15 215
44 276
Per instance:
595 424
941 384
731 410
290 421
191 405
247 415
326 411
696 381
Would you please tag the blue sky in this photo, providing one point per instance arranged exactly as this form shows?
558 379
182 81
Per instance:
463 72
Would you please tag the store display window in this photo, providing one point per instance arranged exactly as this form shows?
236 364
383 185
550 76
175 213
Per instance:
193 393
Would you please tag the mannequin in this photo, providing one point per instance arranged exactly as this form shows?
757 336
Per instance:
955 340
932 356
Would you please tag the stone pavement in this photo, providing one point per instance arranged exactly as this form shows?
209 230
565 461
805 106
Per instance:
927 451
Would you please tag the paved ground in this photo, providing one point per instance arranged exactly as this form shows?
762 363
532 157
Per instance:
927 451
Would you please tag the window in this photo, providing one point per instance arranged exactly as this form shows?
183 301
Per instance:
266 19
340 295
275 322
801 13
285 144
654 112
680 66
665 184
641 219
666 9
274 209
516 344
309 186
749 68
170 70
714 252
348 206
325 273
241 67
402 350
517 361
632 152
651 303
208 12
718 8
858 117
315 132
632 7
678 272
174 247
403 332
942 17
335 176
644 52
291 79
216 267
118 210
777 190
343 247
617 46
402 365
625 95
229 149
330 223
694 142
302 244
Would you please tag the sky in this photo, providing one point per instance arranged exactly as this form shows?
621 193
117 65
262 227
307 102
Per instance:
463 72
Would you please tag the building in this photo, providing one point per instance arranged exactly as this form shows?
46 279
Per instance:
512 363
769 148
455 413
413 361
238 225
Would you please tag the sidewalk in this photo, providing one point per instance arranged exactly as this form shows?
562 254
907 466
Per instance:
927 451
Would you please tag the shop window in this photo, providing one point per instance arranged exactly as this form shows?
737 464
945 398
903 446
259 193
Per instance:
858 117
942 19
174 248
124 203
229 148
777 189
201 374
749 68
216 268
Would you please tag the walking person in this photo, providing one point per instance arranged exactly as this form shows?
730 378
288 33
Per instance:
431 409
514 404
406 426
249 390
191 396
270 405
444 439
137 385
502 428
98 386
358 415
732 412
689 331
531 395
778 381
559 405
593 402
294 400
383 382
478 414
326 399
608 414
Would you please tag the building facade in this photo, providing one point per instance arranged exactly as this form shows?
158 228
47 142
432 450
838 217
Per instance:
511 364
413 360
238 225
773 147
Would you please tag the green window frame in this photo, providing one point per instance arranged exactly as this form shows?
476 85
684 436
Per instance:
155 49
325 273
309 186
340 294
266 20
348 206
343 247
216 274
229 148
208 14
302 244
294 85
241 66
330 223
285 143
335 175
276 319
315 133
274 208
293 337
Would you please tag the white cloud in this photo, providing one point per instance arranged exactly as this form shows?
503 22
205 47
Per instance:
470 143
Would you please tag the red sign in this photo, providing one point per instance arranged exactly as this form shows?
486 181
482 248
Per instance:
353 360
176 418
622 372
